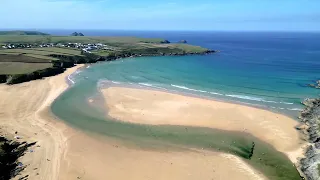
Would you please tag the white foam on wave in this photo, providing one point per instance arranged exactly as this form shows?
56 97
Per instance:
186 88
151 85
244 97
270 101
146 84
277 102
294 109
115 82
70 79
255 99
216 93
232 95
285 103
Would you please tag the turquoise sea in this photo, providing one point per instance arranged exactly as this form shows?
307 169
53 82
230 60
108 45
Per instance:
270 70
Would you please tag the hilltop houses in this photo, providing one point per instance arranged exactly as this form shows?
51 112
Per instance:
84 47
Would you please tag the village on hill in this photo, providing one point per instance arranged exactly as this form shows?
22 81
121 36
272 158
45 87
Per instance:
87 48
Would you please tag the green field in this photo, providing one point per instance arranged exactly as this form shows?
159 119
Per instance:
21 68
20 61
22 33
4 39
42 51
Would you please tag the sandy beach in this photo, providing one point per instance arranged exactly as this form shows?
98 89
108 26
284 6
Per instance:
159 108
62 152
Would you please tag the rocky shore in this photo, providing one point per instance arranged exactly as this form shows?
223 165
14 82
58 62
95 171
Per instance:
310 165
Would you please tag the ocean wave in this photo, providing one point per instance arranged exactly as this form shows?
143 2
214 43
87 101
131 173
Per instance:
135 77
151 85
70 79
146 84
285 103
271 101
186 88
277 102
215 93
290 109
244 97
115 82
256 99
294 109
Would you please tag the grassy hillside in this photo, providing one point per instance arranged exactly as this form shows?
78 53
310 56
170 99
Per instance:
21 68
24 64
21 61
41 52
22 33
12 38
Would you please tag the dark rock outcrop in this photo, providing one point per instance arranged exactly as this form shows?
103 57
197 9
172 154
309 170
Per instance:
310 165
316 85
3 78
165 42
10 152
77 34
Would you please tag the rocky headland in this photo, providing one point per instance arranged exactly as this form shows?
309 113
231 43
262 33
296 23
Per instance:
77 34
310 164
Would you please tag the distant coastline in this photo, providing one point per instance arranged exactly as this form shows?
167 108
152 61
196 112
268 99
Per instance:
42 48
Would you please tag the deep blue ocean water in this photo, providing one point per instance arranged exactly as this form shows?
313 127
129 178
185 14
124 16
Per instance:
269 69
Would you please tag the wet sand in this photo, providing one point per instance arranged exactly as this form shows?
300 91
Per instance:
62 152
164 108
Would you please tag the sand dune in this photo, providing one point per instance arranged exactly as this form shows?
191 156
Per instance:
65 153
157 107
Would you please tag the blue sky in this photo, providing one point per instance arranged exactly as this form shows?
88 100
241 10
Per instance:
219 15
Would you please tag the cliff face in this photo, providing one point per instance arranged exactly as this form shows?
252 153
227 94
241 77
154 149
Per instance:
310 165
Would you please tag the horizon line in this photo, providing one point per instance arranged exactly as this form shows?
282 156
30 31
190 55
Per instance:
160 30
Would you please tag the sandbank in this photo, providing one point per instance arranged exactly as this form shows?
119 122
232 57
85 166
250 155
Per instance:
154 107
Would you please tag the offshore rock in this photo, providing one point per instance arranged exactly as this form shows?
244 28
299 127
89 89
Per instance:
183 41
316 85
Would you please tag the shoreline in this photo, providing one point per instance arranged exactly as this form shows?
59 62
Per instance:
23 113
60 153
121 107
109 83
